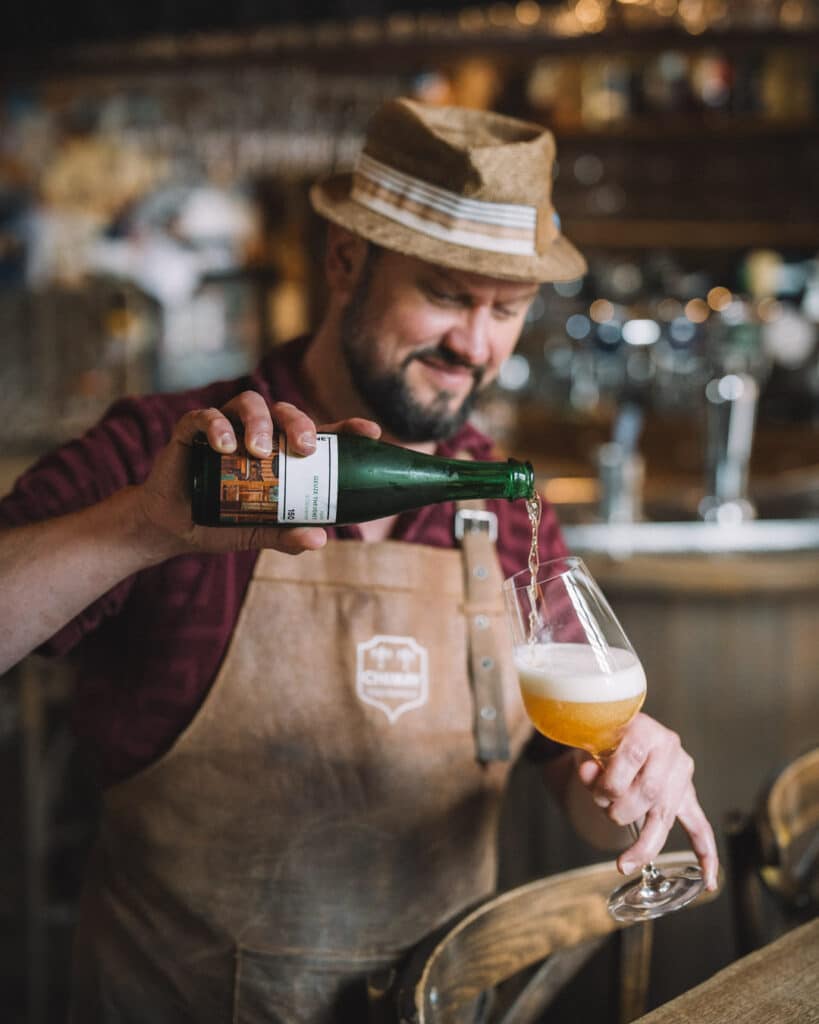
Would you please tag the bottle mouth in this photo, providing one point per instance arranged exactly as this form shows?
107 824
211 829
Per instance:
524 476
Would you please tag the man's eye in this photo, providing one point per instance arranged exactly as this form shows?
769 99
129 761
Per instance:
439 296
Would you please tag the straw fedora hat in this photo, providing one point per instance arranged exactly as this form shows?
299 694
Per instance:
460 188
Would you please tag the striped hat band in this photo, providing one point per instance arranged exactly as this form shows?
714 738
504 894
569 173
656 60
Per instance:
494 227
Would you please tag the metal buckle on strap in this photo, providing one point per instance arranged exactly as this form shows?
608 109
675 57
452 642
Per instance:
469 520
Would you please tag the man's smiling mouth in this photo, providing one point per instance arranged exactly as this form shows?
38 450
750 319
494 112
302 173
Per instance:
447 364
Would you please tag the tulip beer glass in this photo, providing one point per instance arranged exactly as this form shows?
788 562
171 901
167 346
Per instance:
582 684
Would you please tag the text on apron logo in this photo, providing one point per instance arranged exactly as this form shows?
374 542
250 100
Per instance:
392 673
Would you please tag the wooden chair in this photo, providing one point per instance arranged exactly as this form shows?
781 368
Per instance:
561 920
773 855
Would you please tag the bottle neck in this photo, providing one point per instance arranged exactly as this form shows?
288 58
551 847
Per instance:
521 479
511 479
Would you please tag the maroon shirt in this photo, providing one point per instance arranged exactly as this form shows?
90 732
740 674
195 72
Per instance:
149 649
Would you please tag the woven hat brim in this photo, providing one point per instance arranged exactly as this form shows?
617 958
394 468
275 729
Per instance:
559 262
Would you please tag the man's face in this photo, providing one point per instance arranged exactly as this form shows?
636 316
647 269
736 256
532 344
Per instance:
421 340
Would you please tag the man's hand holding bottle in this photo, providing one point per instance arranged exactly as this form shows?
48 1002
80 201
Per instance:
165 499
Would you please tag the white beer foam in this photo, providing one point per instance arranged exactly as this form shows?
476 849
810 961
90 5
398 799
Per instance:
576 672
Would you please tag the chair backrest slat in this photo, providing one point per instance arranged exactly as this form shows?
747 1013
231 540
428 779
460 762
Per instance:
552 975
561 918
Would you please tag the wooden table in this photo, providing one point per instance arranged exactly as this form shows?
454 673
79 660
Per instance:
778 984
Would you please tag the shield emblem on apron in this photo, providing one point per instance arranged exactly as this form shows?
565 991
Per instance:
392 674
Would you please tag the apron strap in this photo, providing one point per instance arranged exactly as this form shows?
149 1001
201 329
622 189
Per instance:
477 530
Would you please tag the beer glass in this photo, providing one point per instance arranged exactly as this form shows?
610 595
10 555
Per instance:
582 684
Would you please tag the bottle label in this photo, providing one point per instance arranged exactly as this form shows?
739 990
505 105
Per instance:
282 488
309 483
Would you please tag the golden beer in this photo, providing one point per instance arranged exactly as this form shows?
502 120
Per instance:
597 728
578 696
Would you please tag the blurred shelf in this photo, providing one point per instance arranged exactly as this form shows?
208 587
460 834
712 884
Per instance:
417 40
627 233
710 126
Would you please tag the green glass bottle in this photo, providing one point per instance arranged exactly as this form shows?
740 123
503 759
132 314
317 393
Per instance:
348 479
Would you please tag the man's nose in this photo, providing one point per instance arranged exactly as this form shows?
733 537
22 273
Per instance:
469 338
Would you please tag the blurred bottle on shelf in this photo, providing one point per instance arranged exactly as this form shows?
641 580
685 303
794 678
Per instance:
554 91
777 84
786 86
746 94
606 88
665 83
712 80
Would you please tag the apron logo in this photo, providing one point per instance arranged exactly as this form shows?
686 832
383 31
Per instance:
392 673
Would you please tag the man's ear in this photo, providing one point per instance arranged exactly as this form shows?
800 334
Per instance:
345 255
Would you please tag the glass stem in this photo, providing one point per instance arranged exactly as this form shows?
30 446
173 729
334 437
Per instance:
653 878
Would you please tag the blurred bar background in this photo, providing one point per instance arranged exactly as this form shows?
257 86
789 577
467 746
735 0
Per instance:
155 234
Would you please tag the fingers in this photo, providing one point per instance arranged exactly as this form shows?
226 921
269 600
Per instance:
211 422
291 540
301 430
589 770
693 820
654 833
249 413
649 777
297 425
355 425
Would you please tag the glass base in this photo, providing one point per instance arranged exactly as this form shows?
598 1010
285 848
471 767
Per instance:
656 892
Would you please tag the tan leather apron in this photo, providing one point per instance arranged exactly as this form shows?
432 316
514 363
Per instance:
324 810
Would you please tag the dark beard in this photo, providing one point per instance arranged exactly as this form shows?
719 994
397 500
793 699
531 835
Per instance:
386 392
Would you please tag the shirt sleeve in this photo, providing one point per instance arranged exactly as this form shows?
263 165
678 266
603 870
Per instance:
117 452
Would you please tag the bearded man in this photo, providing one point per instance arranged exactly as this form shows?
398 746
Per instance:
269 837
